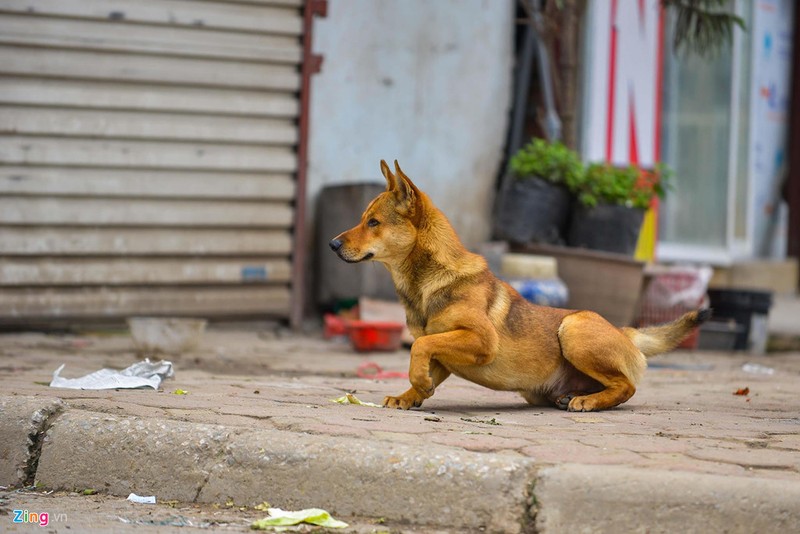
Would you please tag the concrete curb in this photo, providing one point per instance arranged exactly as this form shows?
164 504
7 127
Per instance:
23 423
592 498
439 486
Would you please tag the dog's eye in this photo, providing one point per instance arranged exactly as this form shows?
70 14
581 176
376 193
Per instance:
372 223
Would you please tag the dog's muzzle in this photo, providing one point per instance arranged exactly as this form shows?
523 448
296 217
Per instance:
336 246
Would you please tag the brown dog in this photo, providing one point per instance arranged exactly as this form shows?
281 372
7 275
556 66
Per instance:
467 322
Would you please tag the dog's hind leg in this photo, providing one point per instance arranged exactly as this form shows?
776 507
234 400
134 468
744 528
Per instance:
601 351
412 398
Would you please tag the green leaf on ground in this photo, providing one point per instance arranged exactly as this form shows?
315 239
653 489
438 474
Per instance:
349 398
283 518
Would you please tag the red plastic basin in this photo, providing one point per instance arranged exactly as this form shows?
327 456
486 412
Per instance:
375 335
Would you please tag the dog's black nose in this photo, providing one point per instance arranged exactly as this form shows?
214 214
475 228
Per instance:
335 244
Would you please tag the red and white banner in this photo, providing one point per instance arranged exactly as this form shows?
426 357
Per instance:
623 84
622 109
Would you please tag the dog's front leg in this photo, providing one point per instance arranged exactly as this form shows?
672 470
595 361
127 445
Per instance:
411 398
434 353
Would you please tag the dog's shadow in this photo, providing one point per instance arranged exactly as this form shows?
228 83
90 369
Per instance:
487 409
495 409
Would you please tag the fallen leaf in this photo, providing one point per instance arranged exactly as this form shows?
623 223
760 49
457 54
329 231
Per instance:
742 391
349 398
283 518
180 392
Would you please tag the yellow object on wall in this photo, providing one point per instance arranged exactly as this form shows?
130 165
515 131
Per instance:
646 246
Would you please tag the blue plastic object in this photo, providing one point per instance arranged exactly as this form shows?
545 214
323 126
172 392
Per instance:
545 292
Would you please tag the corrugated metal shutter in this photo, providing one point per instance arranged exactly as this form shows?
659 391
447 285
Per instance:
147 157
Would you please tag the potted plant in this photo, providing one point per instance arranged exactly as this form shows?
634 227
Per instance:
611 202
535 208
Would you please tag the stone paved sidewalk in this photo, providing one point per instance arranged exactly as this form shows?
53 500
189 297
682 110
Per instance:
685 420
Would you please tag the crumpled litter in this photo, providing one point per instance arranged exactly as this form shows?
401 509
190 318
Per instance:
144 374
757 369
283 518
142 500
349 398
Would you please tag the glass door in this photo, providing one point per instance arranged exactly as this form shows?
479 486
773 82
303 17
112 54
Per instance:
704 140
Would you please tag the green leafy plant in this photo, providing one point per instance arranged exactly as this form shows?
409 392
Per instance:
626 186
703 26
553 162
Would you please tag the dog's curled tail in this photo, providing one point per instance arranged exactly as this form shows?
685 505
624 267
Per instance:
654 340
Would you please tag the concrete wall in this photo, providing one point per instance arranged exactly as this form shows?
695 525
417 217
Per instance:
425 82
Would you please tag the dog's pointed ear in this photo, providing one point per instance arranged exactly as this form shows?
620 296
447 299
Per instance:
405 184
391 179
407 195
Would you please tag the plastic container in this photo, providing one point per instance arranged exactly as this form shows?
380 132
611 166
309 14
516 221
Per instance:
375 335
333 326
749 309
533 210
607 227
530 266
719 335
547 292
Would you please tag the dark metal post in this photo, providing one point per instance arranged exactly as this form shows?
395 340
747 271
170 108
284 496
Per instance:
312 63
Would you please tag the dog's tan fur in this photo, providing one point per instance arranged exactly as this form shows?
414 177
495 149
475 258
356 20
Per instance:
467 322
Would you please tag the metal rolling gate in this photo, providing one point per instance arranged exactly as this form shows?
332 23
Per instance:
148 157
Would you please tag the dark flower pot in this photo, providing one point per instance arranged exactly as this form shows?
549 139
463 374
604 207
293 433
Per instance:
608 227
533 210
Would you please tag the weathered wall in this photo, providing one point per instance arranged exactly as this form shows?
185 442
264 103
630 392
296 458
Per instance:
427 83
